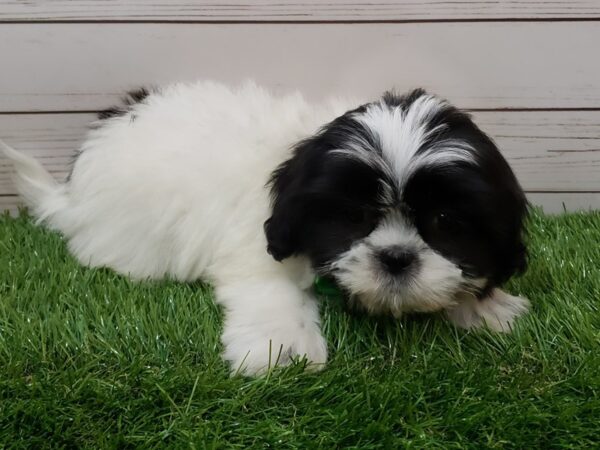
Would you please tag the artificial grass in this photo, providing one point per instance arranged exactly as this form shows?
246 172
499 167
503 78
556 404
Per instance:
91 359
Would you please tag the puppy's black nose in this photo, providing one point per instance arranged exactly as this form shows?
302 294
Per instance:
396 260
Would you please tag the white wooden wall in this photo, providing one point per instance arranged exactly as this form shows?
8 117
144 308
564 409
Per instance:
528 69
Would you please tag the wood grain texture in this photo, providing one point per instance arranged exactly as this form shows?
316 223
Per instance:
54 67
52 139
10 203
560 202
293 10
552 152
549 150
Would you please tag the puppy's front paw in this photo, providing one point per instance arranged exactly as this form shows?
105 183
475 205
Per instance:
498 311
253 349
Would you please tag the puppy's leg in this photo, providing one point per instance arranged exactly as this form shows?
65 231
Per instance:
498 311
270 322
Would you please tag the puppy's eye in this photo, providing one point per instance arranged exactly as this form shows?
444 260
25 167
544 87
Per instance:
446 223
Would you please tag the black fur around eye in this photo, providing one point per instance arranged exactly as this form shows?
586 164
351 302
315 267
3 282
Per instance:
356 216
447 223
365 218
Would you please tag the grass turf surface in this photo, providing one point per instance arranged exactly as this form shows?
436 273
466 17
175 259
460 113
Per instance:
91 359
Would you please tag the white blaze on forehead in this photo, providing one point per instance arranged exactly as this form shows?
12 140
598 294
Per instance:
395 230
402 132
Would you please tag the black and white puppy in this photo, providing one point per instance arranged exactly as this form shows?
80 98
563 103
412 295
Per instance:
403 201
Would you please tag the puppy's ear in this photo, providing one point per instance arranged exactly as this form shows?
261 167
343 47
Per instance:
281 230
298 183
514 263
514 251
520 259
291 186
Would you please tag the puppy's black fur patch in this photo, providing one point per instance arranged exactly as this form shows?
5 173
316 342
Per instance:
131 98
322 201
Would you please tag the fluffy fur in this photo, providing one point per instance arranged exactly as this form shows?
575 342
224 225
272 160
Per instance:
403 201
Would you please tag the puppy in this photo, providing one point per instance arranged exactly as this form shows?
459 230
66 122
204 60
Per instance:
404 202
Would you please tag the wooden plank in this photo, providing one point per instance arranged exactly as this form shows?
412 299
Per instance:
10 203
51 138
293 10
560 202
549 151
476 65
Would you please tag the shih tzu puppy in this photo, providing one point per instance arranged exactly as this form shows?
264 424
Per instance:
403 201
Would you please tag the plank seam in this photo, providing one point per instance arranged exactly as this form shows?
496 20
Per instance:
511 109
296 22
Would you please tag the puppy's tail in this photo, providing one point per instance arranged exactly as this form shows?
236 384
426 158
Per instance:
42 193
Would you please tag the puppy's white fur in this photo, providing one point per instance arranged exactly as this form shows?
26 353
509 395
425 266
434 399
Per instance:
177 188
431 289
498 311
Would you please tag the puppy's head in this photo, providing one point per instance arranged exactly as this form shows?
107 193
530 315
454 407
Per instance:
404 201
